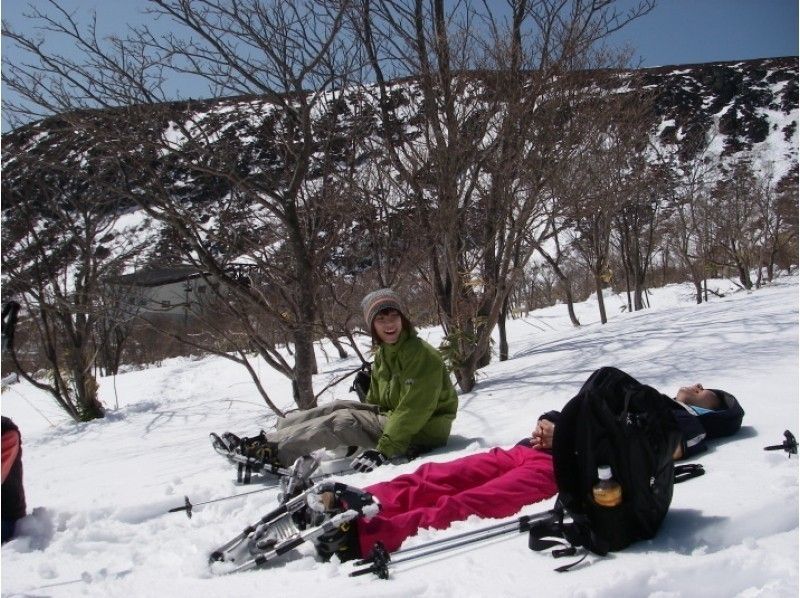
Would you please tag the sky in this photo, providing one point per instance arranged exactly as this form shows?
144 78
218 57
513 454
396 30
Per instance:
693 31
675 32
98 493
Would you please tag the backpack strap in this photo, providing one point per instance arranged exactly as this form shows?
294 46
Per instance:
565 537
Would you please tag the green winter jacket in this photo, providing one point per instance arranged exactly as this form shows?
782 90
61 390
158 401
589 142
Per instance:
411 386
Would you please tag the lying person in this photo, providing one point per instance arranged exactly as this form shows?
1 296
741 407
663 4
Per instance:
410 406
500 482
704 414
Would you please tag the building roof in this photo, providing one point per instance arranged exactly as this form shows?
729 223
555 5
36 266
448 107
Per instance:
153 277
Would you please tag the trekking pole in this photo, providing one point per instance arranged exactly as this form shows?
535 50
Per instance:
789 444
295 477
188 506
380 560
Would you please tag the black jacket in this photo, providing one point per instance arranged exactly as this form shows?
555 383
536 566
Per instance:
696 429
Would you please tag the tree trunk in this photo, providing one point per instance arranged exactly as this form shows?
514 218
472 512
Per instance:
744 275
638 291
566 285
631 304
501 327
304 365
601 304
89 406
571 307
698 290
465 378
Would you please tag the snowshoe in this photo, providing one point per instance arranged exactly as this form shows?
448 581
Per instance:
258 447
318 514
221 446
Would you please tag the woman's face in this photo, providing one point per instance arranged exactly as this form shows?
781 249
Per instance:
388 325
698 396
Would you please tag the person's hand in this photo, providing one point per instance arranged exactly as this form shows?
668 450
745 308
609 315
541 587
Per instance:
542 435
369 460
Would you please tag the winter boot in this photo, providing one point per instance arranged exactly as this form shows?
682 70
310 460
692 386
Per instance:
259 449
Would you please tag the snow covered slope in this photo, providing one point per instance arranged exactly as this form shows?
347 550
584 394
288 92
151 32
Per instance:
100 492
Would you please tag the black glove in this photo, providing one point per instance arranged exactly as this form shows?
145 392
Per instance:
369 460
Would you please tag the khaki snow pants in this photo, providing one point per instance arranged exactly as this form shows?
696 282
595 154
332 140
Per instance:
337 424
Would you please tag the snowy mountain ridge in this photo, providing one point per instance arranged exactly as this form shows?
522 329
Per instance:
717 113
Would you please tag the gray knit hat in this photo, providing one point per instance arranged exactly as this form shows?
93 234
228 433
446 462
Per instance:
379 300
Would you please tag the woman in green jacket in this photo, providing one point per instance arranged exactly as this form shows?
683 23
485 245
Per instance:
410 406
410 384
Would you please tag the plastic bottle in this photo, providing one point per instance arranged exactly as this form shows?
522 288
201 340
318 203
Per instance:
606 492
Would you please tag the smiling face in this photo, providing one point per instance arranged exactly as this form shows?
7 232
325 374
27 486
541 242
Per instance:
698 396
388 325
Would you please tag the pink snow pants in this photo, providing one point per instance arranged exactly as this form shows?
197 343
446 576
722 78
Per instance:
497 483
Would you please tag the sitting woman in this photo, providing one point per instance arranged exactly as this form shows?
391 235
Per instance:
497 483
410 406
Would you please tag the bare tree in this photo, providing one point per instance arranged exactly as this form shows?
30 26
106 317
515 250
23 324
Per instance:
473 128
637 222
776 203
556 254
688 215
271 198
60 238
593 191
734 212
114 326
784 246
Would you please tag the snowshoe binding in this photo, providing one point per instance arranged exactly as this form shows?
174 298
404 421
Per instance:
341 540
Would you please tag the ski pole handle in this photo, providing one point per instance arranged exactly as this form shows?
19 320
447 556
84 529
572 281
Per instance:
381 571
789 444
380 562
187 507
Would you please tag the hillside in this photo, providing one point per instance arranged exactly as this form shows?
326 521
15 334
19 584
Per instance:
99 491
717 114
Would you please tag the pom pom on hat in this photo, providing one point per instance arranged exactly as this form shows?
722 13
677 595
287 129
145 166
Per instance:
379 300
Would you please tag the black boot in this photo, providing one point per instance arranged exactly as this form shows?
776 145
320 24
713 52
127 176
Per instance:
342 541
260 449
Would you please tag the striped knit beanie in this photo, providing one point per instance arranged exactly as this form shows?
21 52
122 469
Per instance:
379 300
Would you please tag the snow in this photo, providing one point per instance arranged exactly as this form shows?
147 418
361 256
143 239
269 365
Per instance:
99 492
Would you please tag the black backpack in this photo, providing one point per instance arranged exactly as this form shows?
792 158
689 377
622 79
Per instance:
361 381
614 420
